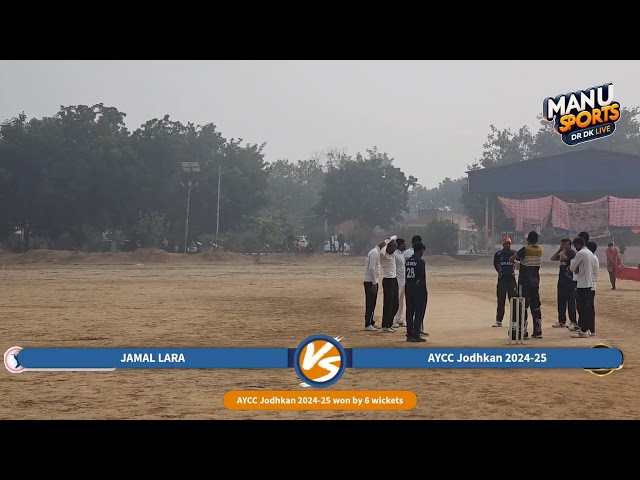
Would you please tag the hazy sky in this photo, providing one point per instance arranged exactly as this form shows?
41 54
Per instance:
431 116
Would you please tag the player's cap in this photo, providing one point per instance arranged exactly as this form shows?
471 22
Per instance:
506 240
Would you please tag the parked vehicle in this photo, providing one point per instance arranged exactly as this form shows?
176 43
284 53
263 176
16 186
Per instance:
302 241
194 247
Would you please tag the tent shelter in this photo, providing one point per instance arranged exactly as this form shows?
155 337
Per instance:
573 177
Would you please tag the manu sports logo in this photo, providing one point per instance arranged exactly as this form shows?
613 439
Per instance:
584 115
320 361
11 361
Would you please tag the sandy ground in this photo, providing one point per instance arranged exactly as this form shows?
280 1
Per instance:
154 299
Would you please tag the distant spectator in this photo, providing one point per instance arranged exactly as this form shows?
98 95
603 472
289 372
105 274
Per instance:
622 248
341 241
613 263
291 243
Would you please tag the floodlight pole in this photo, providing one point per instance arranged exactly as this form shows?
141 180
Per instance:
218 211
189 168
186 223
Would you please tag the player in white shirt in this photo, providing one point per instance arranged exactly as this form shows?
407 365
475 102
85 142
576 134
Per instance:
371 284
595 266
398 320
582 265
389 285
408 253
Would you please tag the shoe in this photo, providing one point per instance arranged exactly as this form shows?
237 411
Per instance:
420 340
526 335
388 330
581 334
424 334
409 339
573 327
559 325
497 324
377 327
370 328
395 325
536 335
401 324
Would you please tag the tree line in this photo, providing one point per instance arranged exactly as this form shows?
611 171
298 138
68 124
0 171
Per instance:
69 179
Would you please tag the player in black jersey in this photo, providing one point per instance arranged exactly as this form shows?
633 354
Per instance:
416 293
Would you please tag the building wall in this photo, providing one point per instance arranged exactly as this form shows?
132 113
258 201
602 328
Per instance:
424 217
466 230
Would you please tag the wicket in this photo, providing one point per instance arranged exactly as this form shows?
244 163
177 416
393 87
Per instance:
516 315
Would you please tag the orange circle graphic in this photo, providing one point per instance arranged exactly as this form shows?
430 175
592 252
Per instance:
318 362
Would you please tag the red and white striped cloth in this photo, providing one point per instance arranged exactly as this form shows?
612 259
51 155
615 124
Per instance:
532 211
560 214
624 212
593 217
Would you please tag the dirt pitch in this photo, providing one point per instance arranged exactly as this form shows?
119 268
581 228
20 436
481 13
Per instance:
156 299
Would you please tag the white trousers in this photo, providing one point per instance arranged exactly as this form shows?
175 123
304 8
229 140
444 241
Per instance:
399 318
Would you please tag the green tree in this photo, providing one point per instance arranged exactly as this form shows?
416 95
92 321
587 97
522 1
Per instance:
163 143
441 237
62 172
151 228
293 193
294 188
368 190
90 170
501 148
448 194
20 174
272 229
504 146
333 157
83 167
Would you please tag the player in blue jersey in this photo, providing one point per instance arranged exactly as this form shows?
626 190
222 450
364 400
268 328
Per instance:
507 285
566 290
416 293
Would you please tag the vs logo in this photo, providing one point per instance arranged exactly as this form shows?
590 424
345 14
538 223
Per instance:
11 361
320 361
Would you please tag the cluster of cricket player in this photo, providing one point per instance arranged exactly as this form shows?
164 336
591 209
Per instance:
577 280
404 286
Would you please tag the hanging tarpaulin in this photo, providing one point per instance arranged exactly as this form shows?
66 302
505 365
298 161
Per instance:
624 212
592 217
510 206
560 214
528 214
532 225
